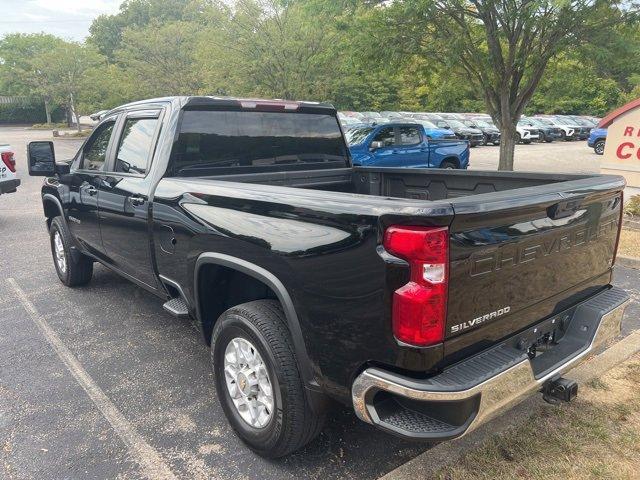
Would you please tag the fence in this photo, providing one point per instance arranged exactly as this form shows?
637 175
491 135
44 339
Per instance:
23 109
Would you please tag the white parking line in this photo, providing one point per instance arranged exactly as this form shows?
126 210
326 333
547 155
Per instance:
149 460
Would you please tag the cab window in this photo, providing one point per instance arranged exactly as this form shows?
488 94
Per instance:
386 136
95 151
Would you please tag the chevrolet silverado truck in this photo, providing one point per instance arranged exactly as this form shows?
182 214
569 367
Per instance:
404 145
428 300
9 180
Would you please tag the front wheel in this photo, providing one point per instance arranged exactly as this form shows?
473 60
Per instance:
258 382
599 147
73 268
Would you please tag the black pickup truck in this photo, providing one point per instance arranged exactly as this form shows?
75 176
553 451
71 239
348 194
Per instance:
428 300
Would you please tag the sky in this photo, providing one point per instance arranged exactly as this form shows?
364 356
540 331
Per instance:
69 19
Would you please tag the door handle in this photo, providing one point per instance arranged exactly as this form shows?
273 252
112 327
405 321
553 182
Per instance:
136 200
92 191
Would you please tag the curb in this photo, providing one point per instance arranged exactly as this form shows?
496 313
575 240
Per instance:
448 453
630 262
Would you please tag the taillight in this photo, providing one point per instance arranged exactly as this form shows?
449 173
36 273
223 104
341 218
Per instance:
420 306
9 161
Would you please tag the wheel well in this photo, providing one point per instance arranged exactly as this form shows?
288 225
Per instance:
220 288
51 211
453 160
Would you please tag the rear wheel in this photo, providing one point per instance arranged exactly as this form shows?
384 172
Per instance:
599 147
258 381
73 268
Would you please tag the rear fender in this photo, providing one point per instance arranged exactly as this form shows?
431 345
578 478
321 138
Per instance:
269 279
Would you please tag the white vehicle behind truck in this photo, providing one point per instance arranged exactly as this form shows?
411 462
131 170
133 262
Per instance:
9 180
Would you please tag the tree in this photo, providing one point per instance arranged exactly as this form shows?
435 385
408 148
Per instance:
23 74
159 59
503 46
106 31
268 47
66 65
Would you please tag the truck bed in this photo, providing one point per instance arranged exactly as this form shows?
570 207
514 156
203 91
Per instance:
516 254
418 184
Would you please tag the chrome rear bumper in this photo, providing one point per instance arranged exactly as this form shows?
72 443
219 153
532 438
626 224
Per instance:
470 393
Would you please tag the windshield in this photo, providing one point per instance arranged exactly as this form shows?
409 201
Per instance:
455 123
482 124
356 135
536 122
427 124
546 121
223 142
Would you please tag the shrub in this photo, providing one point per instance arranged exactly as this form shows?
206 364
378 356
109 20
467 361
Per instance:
632 207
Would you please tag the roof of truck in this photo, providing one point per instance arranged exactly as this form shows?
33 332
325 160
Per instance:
243 103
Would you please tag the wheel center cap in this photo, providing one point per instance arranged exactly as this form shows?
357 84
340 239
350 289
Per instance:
243 383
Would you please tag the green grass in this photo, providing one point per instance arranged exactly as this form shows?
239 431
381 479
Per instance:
596 436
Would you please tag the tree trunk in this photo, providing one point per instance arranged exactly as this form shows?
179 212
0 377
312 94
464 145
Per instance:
73 112
508 139
47 109
68 116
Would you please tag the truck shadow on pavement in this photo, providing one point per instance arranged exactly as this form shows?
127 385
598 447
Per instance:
161 360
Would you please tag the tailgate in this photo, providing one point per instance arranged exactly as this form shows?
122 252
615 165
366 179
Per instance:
520 255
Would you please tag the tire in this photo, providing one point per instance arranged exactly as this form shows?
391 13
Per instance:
598 147
292 423
519 138
449 165
542 138
485 140
526 142
73 268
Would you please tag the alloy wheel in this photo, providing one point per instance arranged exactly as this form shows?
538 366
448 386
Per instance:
248 382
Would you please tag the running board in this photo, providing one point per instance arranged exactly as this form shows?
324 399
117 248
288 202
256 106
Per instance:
176 307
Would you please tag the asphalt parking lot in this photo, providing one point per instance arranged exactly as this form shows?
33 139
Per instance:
99 382
555 157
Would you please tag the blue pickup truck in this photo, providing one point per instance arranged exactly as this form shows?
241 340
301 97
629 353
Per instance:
597 139
404 145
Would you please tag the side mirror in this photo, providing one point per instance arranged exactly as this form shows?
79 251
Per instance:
42 159
376 145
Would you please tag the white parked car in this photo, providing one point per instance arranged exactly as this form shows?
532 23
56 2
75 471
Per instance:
527 134
9 180
568 131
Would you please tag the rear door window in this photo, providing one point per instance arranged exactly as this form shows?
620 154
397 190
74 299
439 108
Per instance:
409 136
135 148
